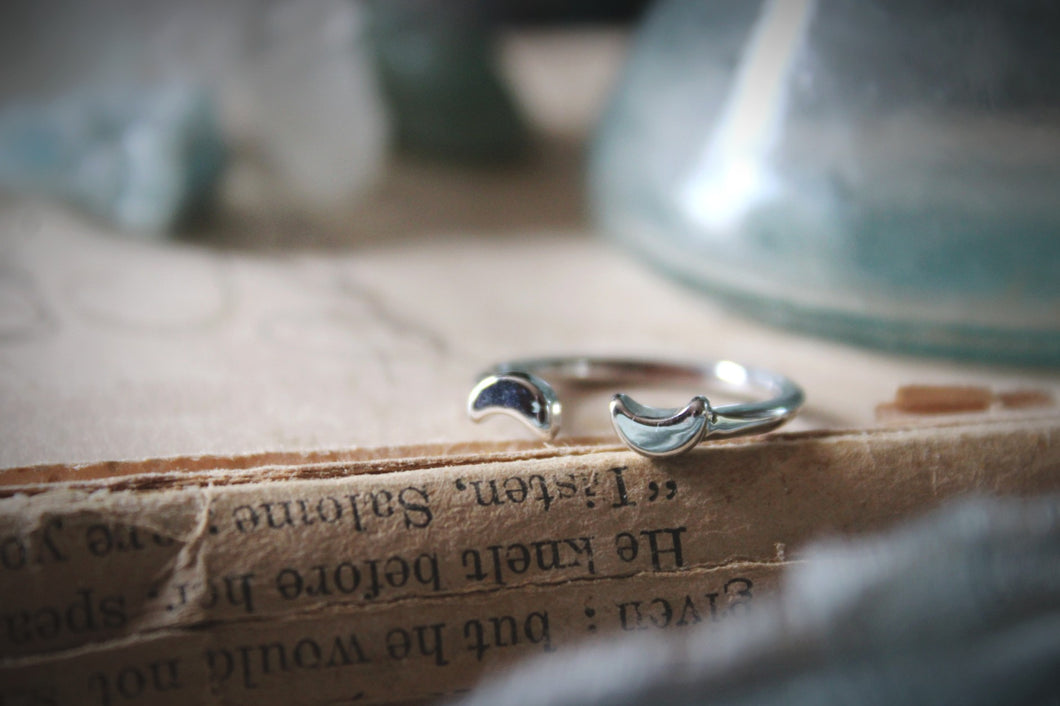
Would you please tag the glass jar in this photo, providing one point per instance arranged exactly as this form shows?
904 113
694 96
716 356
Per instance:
886 173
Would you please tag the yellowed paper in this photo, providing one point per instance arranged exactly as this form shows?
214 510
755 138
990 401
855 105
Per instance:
126 571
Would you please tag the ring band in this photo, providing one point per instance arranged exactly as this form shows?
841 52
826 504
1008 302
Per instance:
518 389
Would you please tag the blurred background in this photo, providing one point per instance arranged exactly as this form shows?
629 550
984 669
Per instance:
278 125
882 175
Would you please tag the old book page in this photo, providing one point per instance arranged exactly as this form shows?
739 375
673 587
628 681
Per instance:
378 580
247 477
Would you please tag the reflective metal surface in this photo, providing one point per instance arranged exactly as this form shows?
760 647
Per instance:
517 389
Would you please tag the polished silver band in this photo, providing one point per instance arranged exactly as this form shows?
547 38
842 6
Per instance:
517 388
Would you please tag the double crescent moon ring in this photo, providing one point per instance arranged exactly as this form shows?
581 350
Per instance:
517 388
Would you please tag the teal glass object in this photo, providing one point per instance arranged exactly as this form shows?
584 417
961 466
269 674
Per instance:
437 68
883 173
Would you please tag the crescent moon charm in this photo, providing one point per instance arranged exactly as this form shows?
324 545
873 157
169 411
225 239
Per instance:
522 395
660 432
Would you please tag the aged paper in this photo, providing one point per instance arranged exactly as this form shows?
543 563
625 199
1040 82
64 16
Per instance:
386 653
378 580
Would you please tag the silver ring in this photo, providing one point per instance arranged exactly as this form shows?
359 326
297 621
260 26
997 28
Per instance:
517 389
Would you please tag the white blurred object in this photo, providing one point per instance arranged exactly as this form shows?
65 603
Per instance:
312 106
